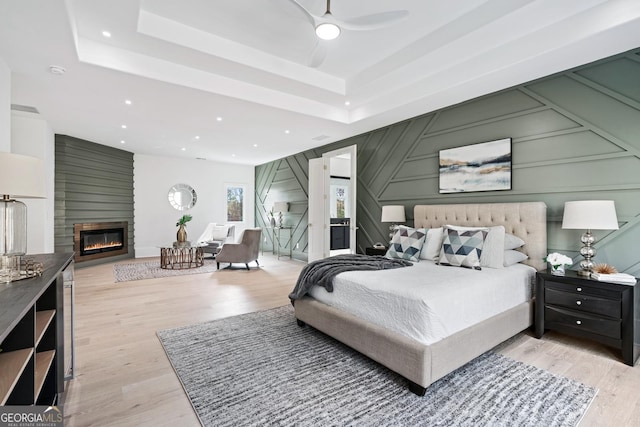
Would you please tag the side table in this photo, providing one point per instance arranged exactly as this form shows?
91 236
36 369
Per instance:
576 305
375 251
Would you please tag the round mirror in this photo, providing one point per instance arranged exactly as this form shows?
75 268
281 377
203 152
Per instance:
182 197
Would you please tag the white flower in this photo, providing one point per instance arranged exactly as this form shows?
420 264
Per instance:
557 259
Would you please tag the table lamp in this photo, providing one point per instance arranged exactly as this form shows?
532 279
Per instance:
22 177
589 215
393 214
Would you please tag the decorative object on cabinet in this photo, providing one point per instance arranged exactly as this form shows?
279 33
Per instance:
22 177
478 167
393 214
182 197
557 263
280 207
35 337
589 215
576 305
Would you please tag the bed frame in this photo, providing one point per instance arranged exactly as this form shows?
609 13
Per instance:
423 364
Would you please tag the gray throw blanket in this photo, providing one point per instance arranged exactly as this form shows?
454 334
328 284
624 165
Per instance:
322 271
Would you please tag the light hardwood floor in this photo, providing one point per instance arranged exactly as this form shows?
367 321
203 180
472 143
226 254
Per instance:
124 378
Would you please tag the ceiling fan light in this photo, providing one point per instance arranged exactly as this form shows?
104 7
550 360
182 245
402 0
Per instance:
327 31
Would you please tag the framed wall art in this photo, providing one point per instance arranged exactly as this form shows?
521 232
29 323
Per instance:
478 167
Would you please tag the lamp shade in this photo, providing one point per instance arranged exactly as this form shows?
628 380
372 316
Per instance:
281 207
590 215
393 213
21 176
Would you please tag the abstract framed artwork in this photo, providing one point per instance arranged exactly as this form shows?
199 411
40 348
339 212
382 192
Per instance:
478 167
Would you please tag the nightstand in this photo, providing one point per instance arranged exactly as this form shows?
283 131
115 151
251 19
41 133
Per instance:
605 312
375 251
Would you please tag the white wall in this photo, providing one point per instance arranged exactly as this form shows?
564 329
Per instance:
5 107
155 219
31 135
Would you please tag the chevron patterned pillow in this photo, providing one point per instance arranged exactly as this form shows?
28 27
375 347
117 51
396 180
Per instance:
407 243
462 248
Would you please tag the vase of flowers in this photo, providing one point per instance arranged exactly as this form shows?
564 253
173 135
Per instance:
557 262
181 236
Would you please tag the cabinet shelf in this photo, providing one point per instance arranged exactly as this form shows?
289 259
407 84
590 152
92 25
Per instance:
12 364
43 363
43 319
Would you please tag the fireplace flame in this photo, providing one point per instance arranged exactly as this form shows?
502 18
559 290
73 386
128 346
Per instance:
103 246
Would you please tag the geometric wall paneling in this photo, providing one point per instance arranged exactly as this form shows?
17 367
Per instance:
574 137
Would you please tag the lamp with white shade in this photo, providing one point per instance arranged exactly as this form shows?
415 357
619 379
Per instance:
589 215
393 214
22 177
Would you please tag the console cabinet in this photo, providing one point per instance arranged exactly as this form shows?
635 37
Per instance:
32 362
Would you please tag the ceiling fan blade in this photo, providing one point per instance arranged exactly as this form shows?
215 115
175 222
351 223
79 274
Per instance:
318 55
374 21
303 12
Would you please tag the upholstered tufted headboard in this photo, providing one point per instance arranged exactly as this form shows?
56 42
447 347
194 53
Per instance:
527 220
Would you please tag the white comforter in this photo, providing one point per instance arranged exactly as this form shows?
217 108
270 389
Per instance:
428 302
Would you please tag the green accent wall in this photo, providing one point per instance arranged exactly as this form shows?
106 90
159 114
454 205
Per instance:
575 136
93 183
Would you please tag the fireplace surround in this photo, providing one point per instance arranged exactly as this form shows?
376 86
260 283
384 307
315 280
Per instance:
99 240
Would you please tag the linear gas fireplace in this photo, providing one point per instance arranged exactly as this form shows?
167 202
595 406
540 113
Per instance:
99 240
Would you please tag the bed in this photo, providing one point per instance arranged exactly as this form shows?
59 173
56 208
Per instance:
423 359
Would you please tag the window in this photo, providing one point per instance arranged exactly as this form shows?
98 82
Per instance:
235 203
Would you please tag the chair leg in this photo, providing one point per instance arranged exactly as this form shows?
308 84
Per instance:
247 264
218 266
257 263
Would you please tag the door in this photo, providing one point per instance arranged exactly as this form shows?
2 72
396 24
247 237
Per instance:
344 155
318 212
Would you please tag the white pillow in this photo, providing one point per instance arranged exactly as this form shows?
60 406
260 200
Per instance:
219 232
512 242
493 249
433 243
512 257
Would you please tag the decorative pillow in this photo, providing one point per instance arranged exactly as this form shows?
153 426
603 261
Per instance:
407 243
432 244
462 248
512 257
512 242
493 248
219 232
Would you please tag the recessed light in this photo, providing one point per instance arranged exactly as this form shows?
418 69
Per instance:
127 101
255 145
122 141
123 126
107 34
219 118
184 149
57 70
233 155
197 136
347 103
287 131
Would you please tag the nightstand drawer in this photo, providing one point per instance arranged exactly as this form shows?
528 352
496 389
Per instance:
584 303
583 290
556 316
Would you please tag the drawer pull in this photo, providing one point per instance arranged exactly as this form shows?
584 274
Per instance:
579 302
578 322
579 289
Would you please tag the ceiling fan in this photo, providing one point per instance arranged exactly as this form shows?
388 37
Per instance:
327 27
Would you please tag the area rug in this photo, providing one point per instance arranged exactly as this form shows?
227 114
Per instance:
152 270
262 369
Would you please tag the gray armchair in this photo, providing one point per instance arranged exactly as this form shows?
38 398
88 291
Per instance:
245 251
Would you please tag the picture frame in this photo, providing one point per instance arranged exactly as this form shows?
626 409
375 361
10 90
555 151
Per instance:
485 166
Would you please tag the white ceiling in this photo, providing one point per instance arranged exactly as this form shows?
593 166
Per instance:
183 64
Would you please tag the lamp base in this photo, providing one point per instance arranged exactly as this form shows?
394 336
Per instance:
10 268
588 252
